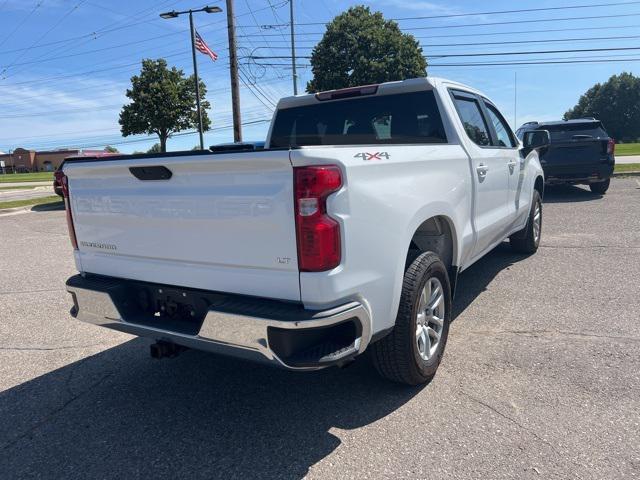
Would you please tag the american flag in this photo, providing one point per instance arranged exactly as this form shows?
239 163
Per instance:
202 47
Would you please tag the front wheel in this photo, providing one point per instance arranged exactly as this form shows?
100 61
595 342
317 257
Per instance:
411 353
600 188
528 240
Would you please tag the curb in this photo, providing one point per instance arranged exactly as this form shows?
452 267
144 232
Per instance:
627 174
41 208
7 211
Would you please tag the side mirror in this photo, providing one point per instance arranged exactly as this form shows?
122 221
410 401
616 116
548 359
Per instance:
536 139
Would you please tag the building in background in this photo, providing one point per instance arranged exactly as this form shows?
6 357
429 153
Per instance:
23 160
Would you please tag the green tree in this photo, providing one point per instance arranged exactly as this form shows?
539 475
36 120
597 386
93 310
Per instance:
110 149
163 102
359 48
616 103
155 148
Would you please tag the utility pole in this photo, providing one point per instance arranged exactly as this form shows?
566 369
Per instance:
233 59
195 74
293 49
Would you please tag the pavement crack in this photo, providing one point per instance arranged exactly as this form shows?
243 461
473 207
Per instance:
512 420
541 333
44 290
48 349
50 416
586 247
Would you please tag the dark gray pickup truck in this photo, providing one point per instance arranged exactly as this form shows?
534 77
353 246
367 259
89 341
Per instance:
580 152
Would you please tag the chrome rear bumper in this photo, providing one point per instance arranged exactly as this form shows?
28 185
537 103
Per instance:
239 326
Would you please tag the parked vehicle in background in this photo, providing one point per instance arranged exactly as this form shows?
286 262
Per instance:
345 233
57 181
580 152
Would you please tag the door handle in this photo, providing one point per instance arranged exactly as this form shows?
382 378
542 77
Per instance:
512 164
482 170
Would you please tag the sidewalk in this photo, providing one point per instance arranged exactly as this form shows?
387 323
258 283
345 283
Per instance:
26 184
621 160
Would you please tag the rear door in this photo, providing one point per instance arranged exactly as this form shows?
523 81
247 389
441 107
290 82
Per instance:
489 171
221 222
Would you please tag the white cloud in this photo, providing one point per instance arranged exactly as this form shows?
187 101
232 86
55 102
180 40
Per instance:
424 7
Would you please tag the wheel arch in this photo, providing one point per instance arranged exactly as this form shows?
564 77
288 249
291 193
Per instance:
539 185
436 234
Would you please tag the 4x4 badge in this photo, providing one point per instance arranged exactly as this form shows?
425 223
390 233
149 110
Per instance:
366 156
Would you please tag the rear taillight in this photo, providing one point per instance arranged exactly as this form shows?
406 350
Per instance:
317 233
611 147
64 181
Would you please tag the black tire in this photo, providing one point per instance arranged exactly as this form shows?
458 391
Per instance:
396 356
525 241
600 188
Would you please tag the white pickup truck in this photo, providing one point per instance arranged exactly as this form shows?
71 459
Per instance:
345 233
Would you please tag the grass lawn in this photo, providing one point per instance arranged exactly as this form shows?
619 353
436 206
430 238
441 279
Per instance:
629 167
31 201
623 149
26 177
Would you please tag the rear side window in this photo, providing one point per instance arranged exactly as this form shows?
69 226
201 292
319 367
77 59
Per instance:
576 131
405 118
472 120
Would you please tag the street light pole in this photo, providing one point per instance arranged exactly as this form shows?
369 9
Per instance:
195 74
174 14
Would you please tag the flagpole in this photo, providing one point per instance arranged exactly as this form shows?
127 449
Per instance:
195 74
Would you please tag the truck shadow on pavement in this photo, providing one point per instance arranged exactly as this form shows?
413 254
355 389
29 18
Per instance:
569 194
119 414
474 280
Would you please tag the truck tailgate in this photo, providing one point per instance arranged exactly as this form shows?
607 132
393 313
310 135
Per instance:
222 222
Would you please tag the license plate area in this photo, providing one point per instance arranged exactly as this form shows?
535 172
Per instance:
166 308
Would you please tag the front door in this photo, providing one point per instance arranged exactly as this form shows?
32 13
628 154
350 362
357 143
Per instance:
504 141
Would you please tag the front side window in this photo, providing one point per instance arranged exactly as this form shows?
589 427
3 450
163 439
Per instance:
472 120
407 118
503 132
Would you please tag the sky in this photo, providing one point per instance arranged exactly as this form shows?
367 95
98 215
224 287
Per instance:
65 65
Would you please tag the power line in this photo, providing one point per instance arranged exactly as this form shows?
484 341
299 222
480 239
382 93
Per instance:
511 22
488 34
543 62
483 54
514 42
17 27
539 52
150 139
47 32
474 14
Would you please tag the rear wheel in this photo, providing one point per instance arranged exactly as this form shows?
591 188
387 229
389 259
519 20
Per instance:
411 353
600 188
528 240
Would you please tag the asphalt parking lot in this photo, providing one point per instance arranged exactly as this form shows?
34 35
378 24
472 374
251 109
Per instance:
541 378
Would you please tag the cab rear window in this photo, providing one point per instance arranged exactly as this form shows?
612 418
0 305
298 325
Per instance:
405 118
